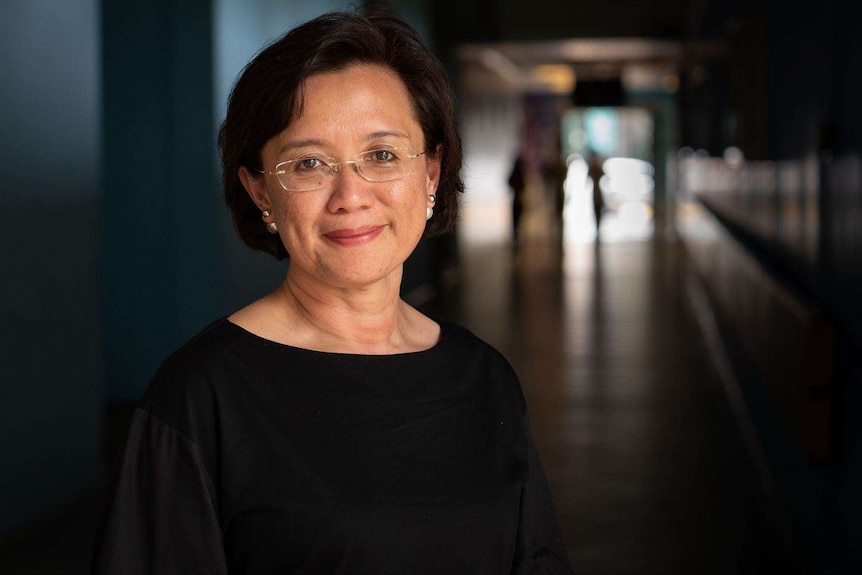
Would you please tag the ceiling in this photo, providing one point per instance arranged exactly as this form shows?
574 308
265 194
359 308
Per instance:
643 64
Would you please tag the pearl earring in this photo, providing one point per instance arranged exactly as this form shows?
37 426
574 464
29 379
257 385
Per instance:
430 210
270 226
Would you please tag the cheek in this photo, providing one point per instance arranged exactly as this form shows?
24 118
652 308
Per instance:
295 223
412 195
299 210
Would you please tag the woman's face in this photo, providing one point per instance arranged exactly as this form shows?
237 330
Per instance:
352 232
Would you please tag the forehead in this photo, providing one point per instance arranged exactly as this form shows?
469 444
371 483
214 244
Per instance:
356 95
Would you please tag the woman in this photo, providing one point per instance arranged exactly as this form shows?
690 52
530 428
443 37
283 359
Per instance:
329 427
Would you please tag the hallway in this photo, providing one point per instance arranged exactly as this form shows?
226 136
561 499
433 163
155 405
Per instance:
643 453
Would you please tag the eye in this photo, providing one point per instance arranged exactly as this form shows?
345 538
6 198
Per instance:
304 164
382 156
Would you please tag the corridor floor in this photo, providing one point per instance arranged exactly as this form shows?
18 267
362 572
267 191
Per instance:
644 455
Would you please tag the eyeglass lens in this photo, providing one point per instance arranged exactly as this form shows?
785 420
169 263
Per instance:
312 173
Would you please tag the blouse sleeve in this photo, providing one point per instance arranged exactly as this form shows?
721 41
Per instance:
162 514
540 549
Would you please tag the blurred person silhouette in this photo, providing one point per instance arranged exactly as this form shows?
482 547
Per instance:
329 427
518 184
555 170
595 173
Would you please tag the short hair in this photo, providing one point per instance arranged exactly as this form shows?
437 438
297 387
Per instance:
267 97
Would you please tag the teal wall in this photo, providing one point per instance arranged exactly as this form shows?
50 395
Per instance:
159 231
50 335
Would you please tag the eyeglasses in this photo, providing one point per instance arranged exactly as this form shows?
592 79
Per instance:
315 172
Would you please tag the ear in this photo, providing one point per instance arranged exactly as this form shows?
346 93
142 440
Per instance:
432 168
255 185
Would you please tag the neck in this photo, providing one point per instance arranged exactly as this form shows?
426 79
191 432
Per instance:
370 319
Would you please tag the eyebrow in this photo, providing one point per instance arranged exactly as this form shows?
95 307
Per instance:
299 144
310 142
384 134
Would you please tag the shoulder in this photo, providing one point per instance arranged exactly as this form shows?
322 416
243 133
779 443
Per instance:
458 337
472 356
190 380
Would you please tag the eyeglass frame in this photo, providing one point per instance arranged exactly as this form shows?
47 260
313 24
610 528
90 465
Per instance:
335 167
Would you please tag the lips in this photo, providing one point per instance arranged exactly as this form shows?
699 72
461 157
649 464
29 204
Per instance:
354 236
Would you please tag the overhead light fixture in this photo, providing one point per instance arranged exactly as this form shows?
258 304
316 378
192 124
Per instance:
560 78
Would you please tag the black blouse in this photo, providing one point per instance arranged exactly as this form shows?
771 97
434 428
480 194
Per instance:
247 456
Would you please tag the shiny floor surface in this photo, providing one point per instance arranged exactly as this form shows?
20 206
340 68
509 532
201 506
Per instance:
649 471
646 462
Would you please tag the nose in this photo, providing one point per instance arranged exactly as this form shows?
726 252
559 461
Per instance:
350 191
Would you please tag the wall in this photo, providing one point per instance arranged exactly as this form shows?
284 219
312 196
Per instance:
50 335
799 214
159 186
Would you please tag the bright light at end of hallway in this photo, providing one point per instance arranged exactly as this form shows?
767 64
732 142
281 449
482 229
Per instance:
627 191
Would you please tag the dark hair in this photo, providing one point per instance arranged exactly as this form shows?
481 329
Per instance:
267 97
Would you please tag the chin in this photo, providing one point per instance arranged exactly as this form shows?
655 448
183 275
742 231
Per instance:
352 277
